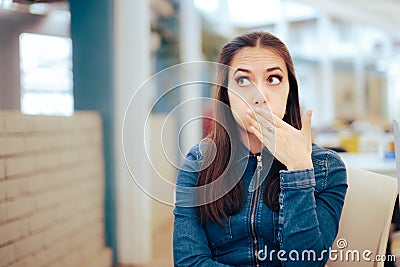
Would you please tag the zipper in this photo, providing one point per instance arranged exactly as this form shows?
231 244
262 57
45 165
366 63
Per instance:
253 210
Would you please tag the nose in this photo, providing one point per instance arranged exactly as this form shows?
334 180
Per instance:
257 101
259 98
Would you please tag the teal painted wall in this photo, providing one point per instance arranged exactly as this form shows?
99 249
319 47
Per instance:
92 41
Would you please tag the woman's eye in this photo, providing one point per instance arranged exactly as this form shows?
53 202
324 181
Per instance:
274 80
243 81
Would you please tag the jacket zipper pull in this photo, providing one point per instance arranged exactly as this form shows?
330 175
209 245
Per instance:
259 167
256 180
259 163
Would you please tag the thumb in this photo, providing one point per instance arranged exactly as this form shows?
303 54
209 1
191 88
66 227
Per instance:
306 129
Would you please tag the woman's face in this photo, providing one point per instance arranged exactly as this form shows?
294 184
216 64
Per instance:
258 77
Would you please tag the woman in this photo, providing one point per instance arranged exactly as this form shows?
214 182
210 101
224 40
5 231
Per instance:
257 192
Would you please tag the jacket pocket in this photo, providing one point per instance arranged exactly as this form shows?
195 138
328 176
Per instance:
218 235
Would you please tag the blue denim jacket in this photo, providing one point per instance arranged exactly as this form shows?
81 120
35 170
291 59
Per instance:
300 234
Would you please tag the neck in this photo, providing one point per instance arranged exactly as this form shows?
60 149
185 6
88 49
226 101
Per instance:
250 141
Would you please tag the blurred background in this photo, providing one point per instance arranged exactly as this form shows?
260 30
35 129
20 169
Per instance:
75 76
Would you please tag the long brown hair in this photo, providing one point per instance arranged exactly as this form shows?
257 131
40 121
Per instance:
224 132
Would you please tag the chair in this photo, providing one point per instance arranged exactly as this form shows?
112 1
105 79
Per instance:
366 218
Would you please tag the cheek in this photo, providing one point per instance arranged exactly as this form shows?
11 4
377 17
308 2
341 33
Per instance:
277 104
280 108
238 107
239 98
235 104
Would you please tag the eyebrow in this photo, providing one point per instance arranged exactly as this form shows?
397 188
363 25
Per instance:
248 71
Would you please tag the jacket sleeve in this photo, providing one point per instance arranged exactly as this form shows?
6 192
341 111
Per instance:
308 222
190 244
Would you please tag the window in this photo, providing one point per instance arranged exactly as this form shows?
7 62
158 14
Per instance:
46 75
394 89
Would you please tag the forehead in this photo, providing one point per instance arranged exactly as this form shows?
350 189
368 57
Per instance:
257 56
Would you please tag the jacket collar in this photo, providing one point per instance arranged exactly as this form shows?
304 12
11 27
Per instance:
242 158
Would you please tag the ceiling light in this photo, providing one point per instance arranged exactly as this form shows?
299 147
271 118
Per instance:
6 4
39 9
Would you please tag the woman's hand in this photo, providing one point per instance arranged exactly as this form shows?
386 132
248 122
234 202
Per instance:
290 146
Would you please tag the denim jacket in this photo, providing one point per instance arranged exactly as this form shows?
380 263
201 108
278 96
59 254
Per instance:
300 234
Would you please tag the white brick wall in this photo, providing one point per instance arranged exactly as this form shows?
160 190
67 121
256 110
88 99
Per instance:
51 191
2 169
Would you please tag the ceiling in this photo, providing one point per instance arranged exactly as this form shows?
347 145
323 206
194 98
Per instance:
383 13
37 1
13 10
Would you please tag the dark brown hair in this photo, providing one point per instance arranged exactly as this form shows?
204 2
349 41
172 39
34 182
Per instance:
224 132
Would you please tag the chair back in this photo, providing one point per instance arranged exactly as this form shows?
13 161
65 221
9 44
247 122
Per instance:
365 222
